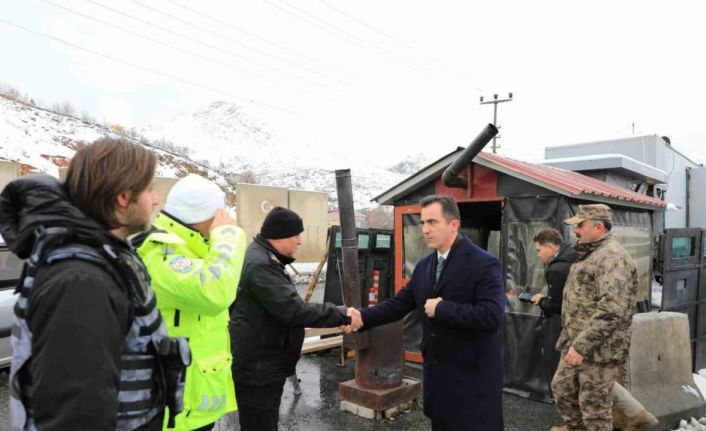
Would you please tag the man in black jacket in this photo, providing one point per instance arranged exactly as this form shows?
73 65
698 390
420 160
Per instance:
87 334
268 319
557 257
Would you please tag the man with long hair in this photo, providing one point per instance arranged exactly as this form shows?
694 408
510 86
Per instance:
87 337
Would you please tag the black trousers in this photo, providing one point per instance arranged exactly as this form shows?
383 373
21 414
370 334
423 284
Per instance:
439 425
258 406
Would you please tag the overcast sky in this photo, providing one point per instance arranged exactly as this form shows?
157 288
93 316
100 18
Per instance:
401 75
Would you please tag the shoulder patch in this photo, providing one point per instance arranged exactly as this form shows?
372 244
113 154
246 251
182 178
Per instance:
181 263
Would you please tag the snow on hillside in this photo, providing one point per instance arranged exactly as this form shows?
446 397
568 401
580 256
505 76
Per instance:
219 134
43 141
225 136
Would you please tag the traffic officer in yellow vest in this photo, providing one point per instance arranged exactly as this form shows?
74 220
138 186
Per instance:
194 254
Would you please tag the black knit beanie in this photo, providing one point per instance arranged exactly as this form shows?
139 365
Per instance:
281 223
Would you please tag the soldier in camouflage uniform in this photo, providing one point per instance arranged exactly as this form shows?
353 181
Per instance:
598 305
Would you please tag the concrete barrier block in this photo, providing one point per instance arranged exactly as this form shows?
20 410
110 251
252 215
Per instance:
8 172
659 368
162 185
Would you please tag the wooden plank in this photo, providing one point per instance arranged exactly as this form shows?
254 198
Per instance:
314 332
315 277
325 344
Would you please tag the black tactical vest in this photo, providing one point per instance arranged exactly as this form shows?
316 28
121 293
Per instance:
152 364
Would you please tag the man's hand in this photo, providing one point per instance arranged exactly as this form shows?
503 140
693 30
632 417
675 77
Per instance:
222 218
430 306
536 298
573 357
356 320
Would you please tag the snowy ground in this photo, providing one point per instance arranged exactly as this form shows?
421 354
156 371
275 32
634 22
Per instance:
693 424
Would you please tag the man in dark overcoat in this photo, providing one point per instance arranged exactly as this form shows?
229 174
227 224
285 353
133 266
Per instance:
459 289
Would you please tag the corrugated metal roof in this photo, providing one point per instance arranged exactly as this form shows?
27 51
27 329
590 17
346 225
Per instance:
558 180
574 183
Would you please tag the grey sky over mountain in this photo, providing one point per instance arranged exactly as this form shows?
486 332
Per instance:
380 77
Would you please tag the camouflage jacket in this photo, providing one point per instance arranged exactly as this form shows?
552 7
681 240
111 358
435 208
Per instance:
599 302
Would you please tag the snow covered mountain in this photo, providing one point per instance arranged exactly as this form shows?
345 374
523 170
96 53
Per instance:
218 141
222 134
43 141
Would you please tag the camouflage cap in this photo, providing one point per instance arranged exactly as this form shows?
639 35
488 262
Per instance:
591 212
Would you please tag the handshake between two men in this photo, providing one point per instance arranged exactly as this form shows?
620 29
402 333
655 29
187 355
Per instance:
357 318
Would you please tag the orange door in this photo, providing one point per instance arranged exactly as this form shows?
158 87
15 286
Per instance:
404 216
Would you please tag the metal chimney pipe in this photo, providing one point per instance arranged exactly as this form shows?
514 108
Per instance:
380 357
349 252
450 176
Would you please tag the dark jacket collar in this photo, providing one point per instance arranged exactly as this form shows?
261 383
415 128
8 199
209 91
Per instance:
36 201
285 260
566 253
454 247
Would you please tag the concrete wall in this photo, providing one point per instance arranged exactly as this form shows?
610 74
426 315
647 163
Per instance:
162 186
659 368
313 209
8 172
255 201
697 198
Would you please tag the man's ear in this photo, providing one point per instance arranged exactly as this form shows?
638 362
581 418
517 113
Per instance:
123 199
455 223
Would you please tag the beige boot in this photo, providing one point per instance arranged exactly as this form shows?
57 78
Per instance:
561 428
642 421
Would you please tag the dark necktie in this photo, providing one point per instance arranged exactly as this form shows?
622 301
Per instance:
440 267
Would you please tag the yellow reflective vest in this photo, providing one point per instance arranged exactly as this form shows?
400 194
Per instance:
195 281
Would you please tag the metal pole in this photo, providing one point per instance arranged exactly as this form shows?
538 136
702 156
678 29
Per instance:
495 123
495 102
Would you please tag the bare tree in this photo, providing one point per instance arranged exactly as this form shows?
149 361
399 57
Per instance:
64 108
380 217
87 118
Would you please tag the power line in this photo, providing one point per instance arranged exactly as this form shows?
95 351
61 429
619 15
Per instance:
380 32
154 40
345 35
147 69
345 32
168 45
208 45
238 29
352 37
231 40
307 20
361 22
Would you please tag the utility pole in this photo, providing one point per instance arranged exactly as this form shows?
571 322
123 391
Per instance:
495 102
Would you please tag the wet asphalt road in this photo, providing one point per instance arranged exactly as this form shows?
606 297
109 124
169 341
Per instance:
317 408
